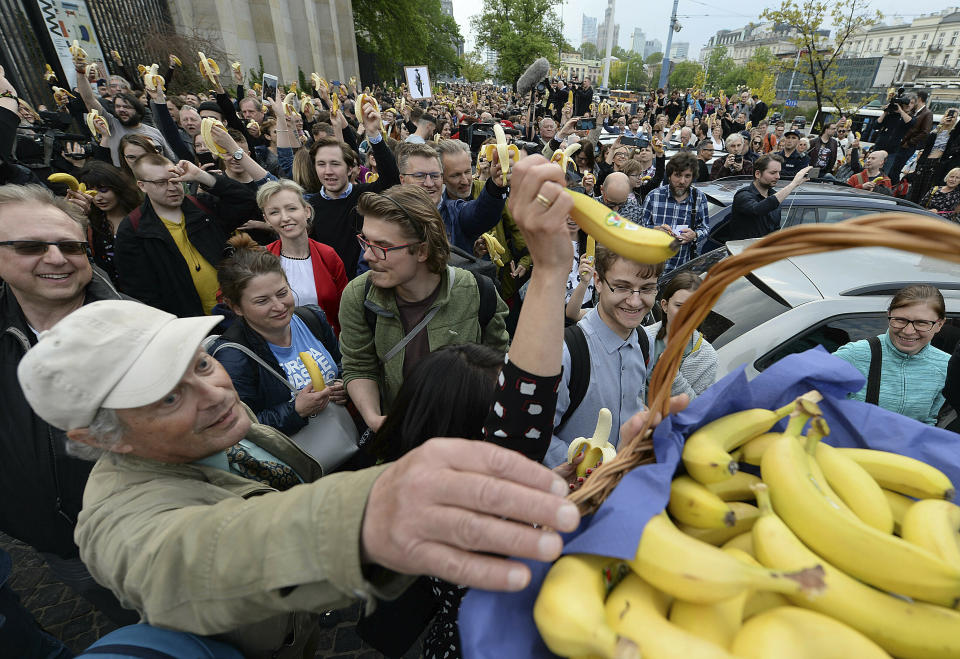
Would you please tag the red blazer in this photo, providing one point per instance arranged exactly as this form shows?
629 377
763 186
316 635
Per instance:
329 277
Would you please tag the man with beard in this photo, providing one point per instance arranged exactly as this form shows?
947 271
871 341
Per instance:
127 117
679 207
756 208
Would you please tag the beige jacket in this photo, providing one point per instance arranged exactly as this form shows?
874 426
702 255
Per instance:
199 549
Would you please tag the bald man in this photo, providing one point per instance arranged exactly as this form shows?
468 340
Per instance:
617 195
870 176
686 138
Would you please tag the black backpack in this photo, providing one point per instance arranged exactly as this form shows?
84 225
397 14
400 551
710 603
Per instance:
576 342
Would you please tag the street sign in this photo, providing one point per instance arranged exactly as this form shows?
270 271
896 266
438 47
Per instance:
790 103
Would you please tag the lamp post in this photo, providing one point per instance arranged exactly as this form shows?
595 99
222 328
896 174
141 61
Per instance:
665 64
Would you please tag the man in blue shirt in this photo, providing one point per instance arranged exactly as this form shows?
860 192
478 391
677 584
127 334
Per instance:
618 370
679 207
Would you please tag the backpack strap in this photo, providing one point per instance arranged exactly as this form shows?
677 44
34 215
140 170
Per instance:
576 343
644 342
488 299
873 376
369 314
316 321
255 357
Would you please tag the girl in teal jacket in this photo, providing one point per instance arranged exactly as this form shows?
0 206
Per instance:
912 371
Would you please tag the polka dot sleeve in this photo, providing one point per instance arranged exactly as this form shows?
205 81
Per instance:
521 417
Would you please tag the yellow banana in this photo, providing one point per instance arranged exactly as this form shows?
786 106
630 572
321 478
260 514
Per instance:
292 87
474 98
604 107
116 56
569 611
857 135
744 516
692 504
736 488
49 75
79 54
899 505
209 69
629 240
343 89
637 611
253 125
319 82
911 630
753 450
353 81
717 623
789 632
335 105
306 105
760 600
597 449
316 375
371 177
706 452
591 251
850 481
97 130
882 560
153 80
692 570
206 133
176 60
494 248
934 525
141 70
570 98
505 152
72 183
565 157
593 108
903 474
363 99
743 542
236 66
289 108
61 95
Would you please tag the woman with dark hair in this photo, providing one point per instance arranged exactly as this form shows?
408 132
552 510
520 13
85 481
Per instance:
940 154
117 195
255 288
132 146
912 372
698 370
585 158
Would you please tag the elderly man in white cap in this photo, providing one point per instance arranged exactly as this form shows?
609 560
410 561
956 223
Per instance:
205 521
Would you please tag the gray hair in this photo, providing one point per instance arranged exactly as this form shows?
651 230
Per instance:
106 428
452 148
123 81
735 137
34 195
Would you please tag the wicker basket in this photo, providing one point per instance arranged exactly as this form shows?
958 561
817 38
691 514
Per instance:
907 232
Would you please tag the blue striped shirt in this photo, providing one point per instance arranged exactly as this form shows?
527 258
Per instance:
661 208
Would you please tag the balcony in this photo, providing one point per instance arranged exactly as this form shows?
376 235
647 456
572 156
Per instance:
893 51
935 48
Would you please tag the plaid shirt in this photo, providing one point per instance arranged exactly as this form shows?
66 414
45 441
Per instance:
661 208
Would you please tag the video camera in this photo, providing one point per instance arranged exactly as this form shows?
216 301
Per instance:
899 99
36 147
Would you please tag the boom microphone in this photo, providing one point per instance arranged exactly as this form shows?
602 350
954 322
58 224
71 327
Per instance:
534 74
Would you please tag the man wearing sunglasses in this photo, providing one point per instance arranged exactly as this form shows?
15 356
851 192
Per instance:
46 275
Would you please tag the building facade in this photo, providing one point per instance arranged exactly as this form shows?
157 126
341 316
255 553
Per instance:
588 30
639 41
679 50
312 35
742 43
578 68
652 46
930 40
602 36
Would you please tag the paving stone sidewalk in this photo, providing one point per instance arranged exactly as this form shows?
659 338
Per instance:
70 618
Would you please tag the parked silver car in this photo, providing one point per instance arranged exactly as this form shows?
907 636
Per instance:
824 299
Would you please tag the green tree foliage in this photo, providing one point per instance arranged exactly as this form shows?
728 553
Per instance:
520 31
760 74
684 74
817 66
631 64
407 32
719 66
588 50
472 67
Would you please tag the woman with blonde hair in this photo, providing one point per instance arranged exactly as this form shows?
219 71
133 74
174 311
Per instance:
313 270
945 199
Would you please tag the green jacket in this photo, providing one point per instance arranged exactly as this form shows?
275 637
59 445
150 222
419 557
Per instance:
455 322
198 549
508 285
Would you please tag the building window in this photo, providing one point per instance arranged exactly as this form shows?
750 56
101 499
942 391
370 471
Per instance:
870 45
953 38
913 40
923 42
900 42
889 43
946 56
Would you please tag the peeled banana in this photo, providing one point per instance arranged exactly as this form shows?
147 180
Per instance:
629 240
505 152
595 450
61 95
206 133
116 57
569 610
494 248
289 105
96 130
176 60
48 74
79 54
236 66
363 99
316 375
565 157
152 80
209 68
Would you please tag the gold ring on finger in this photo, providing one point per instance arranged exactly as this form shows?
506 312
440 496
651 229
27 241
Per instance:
543 201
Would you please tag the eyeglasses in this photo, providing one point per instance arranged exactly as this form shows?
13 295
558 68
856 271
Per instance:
757 142
162 182
379 251
919 325
613 205
419 177
626 291
40 247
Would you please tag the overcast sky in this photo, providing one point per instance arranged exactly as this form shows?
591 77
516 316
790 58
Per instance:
699 20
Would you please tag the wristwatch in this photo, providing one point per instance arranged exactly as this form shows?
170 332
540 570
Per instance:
238 154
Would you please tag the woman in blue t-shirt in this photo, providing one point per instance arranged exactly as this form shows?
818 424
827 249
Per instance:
255 287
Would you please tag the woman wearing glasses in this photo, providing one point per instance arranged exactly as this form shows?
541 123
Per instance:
912 372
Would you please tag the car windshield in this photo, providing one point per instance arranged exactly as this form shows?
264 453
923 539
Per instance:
744 305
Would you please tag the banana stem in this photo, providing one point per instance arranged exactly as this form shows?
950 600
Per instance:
762 493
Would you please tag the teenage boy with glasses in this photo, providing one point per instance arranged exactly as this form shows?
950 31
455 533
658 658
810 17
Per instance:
615 348
410 302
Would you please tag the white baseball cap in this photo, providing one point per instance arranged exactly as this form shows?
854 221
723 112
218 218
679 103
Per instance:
115 353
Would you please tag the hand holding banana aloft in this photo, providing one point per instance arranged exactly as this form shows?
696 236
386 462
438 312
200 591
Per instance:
61 96
289 104
78 53
97 124
152 80
48 74
565 157
72 183
209 69
207 126
507 154
237 72
494 248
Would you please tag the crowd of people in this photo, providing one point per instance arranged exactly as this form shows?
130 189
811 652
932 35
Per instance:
176 458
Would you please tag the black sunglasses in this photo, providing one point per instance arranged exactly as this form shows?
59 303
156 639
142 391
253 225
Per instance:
40 247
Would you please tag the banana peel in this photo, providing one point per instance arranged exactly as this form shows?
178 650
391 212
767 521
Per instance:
49 75
597 449
176 60
96 131
236 66
206 133
116 57
495 248
72 183
152 80
78 53
565 157
61 95
506 152
209 69
289 108
253 125
371 177
319 82
363 99
307 106
604 107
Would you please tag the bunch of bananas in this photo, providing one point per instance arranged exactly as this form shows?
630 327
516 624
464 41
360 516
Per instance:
209 69
71 182
847 553
206 133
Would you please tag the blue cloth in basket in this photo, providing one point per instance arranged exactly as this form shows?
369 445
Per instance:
501 624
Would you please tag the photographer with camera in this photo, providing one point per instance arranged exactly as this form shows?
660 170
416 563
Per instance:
896 119
917 128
